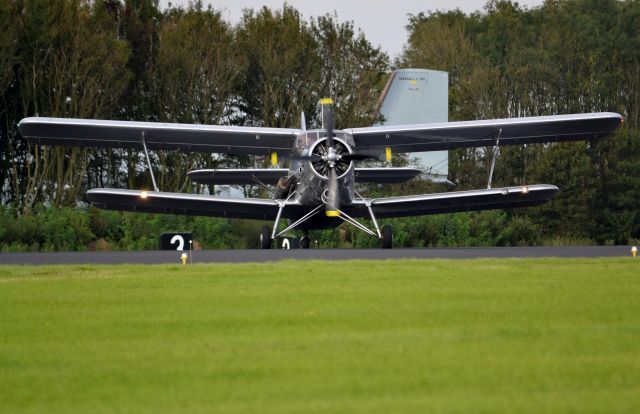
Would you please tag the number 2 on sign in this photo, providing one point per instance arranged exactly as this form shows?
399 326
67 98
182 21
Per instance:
180 240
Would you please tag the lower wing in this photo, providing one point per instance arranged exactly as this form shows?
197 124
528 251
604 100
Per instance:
190 204
455 201
267 209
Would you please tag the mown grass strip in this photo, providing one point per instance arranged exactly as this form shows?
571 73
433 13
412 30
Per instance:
555 335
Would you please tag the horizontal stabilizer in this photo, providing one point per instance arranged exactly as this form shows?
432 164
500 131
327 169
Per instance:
238 176
385 175
272 175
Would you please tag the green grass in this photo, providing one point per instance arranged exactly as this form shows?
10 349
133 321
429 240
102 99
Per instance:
549 335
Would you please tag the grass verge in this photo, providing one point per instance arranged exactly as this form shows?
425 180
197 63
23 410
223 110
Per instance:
534 335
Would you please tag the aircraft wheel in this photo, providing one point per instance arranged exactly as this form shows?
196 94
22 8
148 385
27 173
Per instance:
265 237
387 236
305 242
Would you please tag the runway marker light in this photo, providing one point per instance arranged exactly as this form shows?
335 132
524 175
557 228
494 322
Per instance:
634 251
525 190
144 194
183 258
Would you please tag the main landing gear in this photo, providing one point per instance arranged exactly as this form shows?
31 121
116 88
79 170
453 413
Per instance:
265 237
387 237
384 234
305 241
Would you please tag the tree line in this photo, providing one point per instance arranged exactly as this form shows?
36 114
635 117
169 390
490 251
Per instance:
568 56
130 60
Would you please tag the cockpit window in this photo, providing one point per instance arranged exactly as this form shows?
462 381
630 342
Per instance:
306 139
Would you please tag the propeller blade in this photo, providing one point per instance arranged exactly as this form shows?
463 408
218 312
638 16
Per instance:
329 126
332 208
327 116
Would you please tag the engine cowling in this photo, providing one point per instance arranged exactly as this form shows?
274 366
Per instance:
323 158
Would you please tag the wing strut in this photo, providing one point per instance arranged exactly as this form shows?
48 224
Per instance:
367 203
260 183
344 216
300 221
496 150
281 204
146 153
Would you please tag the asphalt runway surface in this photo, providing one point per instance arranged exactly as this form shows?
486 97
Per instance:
246 256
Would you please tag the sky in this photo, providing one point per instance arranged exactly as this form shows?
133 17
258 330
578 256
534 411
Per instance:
382 21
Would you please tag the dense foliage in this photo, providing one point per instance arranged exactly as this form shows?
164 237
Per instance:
127 59
562 57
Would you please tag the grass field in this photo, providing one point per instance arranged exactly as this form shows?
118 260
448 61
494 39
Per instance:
551 335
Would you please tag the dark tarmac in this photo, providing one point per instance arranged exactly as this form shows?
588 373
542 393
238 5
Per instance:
245 256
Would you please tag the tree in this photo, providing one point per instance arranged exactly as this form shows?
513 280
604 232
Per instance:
194 79
352 71
281 67
70 64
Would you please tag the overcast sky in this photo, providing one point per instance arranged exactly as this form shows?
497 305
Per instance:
382 21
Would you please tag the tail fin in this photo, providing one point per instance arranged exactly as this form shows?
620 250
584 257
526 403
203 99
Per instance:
418 96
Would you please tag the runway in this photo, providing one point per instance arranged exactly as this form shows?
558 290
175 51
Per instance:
247 256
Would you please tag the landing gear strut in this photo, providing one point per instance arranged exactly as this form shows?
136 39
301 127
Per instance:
387 236
265 237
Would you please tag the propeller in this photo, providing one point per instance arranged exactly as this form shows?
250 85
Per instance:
332 159
332 202
356 156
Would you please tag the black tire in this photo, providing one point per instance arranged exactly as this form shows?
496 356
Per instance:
305 242
265 237
387 236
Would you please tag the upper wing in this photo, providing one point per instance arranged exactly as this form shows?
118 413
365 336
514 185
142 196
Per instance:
128 134
190 204
451 135
455 201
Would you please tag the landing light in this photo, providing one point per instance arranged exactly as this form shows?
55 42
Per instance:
525 189
144 194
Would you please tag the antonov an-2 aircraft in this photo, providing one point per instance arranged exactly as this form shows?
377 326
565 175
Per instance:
317 190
